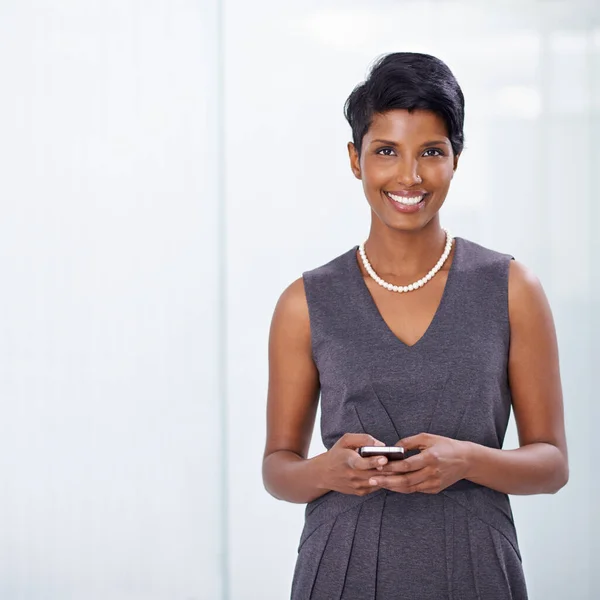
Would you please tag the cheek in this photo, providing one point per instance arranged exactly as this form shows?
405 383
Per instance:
440 174
377 172
373 180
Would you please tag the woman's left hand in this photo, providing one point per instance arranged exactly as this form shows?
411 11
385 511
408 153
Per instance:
441 462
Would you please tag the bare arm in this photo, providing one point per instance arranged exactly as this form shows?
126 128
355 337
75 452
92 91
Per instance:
540 464
292 401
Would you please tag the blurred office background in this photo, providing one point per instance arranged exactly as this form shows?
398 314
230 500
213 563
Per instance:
168 168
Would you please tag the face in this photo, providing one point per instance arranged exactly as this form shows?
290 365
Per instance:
406 165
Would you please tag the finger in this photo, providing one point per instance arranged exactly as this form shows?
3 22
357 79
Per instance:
416 478
428 486
394 483
356 440
414 463
356 461
424 488
401 482
417 442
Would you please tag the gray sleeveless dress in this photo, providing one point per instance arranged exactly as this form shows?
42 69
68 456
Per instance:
460 544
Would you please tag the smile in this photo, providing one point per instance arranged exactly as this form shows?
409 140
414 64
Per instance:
406 200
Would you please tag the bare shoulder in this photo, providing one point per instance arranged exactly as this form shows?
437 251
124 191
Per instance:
526 296
522 277
291 311
293 297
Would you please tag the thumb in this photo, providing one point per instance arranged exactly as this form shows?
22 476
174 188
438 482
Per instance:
416 442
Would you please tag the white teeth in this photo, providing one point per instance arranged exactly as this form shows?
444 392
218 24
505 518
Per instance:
407 201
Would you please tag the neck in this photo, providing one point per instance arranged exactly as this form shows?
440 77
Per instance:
405 254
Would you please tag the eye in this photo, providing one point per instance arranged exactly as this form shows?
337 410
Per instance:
384 149
440 153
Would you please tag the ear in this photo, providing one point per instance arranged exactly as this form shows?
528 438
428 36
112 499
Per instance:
456 157
354 160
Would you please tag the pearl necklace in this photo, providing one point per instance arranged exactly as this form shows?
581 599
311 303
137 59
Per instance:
412 286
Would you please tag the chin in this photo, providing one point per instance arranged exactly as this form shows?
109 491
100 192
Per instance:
409 223
408 227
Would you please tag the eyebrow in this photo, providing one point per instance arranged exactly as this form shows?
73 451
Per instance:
430 143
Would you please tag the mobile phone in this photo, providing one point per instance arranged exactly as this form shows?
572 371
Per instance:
390 452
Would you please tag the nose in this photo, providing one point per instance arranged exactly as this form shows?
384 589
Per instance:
407 174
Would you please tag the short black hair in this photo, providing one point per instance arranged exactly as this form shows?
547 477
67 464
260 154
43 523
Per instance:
411 81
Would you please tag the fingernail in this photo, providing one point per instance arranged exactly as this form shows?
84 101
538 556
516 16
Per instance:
373 481
382 461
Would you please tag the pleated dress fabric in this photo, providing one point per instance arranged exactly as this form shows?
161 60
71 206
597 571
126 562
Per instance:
461 543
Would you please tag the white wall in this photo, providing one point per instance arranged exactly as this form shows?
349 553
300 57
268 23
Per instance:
108 376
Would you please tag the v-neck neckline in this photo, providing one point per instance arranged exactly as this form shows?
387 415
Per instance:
370 301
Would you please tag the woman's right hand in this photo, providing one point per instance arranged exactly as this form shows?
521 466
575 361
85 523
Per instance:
344 470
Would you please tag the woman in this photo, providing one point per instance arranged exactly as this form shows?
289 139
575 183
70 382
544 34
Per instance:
420 340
